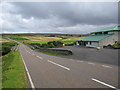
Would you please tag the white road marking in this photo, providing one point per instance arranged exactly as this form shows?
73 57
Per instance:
39 57
59 65
106 66
30 79
92 63
25 48
33 54
104 83
71 59
29 52
79 61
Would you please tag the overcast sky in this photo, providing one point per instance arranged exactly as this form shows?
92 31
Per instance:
57 17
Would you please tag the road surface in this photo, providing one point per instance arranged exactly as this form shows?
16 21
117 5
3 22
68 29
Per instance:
45 71
105 56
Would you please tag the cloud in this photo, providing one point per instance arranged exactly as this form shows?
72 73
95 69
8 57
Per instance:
85 13
63 17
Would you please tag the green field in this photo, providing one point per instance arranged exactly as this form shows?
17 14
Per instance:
2 40
19 38
38 42
70 40
43 40
13 72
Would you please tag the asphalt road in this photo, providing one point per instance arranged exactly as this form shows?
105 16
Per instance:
45 71
105 56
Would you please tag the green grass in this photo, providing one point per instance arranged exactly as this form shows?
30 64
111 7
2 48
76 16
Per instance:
70 40
13 71
0 73
48 53
20 38
38 42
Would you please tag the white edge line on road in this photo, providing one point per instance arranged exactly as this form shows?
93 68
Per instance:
30 79
103 83
106 66
59 65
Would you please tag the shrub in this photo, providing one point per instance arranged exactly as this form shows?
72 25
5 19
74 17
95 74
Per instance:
51 45
116 45
56 43
6 47
45 45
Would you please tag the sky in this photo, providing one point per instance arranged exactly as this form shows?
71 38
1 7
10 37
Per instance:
57 17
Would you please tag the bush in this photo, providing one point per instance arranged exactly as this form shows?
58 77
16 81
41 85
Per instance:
56 43
6 47
116 45
44 46
50 44
71 44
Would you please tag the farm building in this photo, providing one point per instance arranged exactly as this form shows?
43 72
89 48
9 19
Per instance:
100 38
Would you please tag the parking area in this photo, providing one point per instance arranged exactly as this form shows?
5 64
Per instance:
106 56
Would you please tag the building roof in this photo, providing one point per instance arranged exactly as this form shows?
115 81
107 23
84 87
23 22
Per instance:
113 28
95 37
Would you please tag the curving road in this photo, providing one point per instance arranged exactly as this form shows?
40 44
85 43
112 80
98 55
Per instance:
45 71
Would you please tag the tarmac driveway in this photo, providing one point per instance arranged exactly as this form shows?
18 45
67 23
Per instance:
107 56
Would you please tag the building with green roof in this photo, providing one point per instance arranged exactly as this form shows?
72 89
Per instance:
102 37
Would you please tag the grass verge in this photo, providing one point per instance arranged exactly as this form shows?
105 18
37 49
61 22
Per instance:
53 54
13 71
0 73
